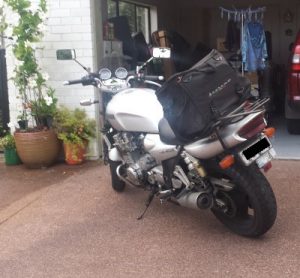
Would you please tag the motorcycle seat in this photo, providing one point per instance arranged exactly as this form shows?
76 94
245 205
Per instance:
166 133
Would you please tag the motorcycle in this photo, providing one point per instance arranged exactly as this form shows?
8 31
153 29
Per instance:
221 172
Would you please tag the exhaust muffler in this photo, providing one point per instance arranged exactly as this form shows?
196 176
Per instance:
196 200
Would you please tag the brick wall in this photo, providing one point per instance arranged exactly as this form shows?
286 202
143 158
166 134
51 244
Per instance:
69 25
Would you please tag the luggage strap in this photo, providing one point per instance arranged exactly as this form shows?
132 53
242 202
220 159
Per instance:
216 129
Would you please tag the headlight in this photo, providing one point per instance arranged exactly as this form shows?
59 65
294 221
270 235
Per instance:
105 74
121 73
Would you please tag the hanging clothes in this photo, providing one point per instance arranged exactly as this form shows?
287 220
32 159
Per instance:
254 47
233 37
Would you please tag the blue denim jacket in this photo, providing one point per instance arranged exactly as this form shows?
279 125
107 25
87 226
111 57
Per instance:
254 47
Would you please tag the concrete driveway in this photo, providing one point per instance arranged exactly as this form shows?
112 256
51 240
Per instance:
68 222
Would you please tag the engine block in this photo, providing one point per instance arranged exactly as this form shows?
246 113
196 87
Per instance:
137 161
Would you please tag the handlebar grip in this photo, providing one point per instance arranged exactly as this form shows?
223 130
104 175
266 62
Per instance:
155 77
73 82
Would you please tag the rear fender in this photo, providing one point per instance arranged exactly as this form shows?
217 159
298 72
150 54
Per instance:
209 147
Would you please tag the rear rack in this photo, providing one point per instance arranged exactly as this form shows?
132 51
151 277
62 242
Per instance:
246 108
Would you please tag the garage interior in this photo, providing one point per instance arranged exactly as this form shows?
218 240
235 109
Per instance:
198 26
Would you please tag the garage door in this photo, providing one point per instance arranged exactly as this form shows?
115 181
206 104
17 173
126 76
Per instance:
4 111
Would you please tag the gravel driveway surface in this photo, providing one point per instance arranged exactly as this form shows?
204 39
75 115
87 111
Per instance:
68 222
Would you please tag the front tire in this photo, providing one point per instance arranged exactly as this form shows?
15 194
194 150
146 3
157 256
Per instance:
251 204
117 184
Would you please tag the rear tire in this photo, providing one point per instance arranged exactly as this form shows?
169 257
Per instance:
293 126
117 184
251 203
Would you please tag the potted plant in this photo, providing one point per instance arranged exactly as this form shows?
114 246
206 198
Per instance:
7 143
2 131
75 130
36 141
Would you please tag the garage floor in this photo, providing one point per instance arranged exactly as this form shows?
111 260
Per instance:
74 225
287 146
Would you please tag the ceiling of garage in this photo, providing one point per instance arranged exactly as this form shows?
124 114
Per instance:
237 3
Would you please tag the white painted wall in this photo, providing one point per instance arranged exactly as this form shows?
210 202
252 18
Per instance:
70 25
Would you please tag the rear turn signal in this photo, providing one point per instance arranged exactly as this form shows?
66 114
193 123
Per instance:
226 162
269 132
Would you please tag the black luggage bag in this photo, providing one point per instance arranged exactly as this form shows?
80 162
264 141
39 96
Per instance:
195 99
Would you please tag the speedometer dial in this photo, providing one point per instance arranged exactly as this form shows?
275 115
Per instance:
121 73
105 74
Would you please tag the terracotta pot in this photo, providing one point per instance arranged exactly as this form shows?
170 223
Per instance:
37 149
74 153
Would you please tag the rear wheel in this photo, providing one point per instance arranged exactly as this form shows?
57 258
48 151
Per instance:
293 126
250 207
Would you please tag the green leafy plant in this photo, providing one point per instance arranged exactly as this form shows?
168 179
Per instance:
23 22
7 142
73 126
2 130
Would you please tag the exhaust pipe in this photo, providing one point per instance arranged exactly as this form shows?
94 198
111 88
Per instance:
122 178
196 200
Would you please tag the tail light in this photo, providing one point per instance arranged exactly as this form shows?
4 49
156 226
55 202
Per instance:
294 73
253 127
296 58
294 86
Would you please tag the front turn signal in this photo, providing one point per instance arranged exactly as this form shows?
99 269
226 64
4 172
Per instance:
226 162
269 132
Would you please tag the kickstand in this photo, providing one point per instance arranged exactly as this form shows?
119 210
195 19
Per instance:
148 202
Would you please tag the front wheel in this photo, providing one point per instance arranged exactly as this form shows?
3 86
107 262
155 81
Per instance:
250 207
117 184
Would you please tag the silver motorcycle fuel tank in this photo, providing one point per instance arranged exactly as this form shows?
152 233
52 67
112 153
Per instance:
135 110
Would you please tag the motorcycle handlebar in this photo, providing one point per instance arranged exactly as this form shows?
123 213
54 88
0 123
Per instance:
85 81
73 82
90 79
154 77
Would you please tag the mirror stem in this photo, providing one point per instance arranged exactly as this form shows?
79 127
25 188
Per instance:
88 70
145 64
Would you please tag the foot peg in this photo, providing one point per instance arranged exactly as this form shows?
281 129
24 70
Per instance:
163 195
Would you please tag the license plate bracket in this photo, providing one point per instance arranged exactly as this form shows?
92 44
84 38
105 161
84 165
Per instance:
255 150
265 158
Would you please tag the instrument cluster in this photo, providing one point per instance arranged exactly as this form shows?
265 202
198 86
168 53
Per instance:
113 82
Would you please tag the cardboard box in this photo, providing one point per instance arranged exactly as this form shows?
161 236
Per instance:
252 76
221 45
112 47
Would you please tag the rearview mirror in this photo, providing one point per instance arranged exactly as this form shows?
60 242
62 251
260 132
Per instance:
161 52
88 102
66 54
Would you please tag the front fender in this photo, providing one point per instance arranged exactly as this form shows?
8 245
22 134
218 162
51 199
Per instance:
114 155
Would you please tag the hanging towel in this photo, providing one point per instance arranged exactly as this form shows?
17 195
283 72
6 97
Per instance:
254 47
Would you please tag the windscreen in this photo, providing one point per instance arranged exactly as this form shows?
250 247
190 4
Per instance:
113 62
